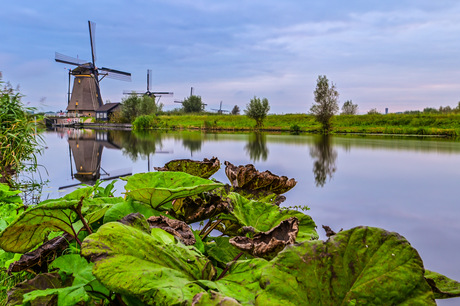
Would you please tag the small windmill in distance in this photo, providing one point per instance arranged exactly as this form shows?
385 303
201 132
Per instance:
148 92
191 94
220 110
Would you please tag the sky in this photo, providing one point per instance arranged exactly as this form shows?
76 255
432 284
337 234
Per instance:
395 54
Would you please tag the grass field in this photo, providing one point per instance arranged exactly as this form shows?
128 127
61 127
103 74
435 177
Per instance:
409 124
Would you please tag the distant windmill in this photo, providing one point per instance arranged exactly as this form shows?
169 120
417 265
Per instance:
191 94
148 92
220 110
86 95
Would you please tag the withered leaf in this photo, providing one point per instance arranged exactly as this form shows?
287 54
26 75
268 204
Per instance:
247 177
177 228
194 209
40 282
269 244
38 259
203 169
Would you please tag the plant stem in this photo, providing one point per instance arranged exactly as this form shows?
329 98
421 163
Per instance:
211 228
228 266
78 211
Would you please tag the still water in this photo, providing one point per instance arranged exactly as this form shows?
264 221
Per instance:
406 185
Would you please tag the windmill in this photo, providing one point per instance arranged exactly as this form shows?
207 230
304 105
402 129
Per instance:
86 95
220 110
148 92
191 94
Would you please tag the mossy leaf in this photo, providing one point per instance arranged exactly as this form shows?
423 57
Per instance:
169 269
443 287
203 169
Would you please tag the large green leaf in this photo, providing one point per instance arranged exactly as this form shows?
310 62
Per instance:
122 253
94 209
262 217
157 188
221 251
360 266
9 196
30 228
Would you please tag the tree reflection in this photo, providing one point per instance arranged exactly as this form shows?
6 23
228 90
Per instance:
194 145
325 156
136 144
257 147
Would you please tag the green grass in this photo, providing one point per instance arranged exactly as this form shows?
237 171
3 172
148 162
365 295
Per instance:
399 124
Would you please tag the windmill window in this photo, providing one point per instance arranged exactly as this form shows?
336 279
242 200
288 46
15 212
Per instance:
76 103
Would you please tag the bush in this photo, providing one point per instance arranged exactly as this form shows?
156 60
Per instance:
18 139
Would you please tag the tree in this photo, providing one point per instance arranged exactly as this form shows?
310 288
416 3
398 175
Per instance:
135 106
326 106
257 110
193 104
349 108
235 110
373 111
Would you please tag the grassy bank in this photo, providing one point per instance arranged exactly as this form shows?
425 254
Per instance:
411 124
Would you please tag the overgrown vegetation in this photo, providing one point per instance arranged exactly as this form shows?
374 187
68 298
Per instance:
135 106
193 104
91 247
18 137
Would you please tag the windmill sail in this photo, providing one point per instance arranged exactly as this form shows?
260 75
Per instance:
148 92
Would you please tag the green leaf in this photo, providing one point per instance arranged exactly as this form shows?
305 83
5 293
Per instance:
122 209
220 250
122 253
262 217
443 287
9 196
94 209
157 188
363 265
31 228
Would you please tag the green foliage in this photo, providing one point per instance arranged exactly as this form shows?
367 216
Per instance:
373 111
135 106
326 106
235 110
193 104
257 110
18 139
147 265
349 108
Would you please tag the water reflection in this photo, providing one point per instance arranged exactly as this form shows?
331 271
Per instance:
324 157
192 142
257 147
137 144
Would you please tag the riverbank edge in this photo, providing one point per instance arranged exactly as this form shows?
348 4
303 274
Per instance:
128 127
